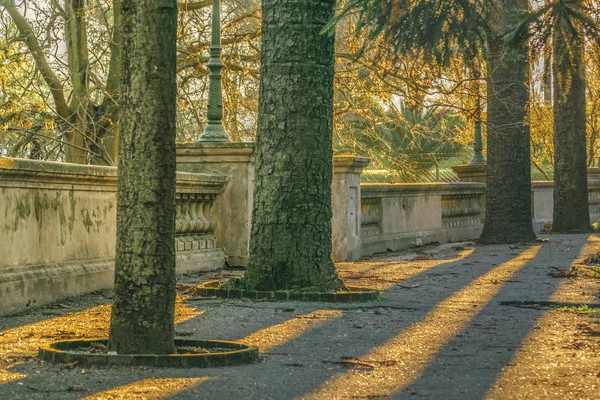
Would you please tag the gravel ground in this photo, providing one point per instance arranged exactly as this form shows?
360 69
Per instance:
441 331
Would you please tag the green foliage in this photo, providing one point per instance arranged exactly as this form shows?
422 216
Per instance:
571 19
436 29
409 144
581 309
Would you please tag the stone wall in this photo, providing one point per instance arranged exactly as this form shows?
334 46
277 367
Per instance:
58 223
542 196
398 216
236 161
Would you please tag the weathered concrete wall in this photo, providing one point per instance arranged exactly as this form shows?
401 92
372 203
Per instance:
57 221
398 216
234 215
236 161
345 198
58 224
542 196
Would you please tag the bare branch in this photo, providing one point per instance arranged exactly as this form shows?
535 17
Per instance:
194 6
32 43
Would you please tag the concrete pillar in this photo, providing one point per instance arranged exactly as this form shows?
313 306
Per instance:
233 209
345 224
470 173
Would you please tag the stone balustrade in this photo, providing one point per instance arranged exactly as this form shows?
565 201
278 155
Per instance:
195 223
236 161
58 221
403 215
370 219
462 210
542 195
58 228
594 199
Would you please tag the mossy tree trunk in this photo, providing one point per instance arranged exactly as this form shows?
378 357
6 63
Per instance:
571 206
142 318
290 245
508 216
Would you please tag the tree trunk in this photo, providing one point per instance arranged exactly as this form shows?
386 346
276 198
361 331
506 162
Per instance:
290 245
143 309
106 122
76 35
508 216
571 208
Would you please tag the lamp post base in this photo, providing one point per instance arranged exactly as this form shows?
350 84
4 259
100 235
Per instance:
477 159
214 132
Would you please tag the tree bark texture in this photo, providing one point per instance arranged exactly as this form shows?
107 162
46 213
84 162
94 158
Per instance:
571 207
508 216
290 245
142 319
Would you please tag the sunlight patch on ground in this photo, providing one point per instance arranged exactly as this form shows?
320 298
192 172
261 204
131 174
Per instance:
184 313
148 389
560 358
403 358
382 275
25 341
7 376
276 335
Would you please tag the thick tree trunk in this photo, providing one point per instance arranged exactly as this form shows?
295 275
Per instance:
571 207
508 191
290 245
143 309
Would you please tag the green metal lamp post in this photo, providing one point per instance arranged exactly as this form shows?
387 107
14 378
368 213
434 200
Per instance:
478 158
214 130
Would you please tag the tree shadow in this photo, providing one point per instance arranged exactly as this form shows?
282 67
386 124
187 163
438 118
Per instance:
469 364
326 340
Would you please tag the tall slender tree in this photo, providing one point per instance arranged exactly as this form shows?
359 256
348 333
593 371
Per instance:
442 29
560 29
571 205
142 318
290 245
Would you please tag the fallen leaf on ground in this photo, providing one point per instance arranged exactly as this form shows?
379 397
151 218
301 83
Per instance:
409 286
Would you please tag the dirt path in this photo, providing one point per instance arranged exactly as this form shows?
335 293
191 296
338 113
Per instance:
456 322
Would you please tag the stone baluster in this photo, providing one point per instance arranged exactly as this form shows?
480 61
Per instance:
460 210
199 219
195 223
209 216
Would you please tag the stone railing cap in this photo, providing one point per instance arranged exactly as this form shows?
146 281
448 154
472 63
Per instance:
424 188
77 173
468 167
215 148
542 184
350 161
52 167
199 177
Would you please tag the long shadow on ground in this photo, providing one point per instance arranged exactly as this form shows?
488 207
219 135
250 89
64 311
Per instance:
300 363
298 368
469 364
